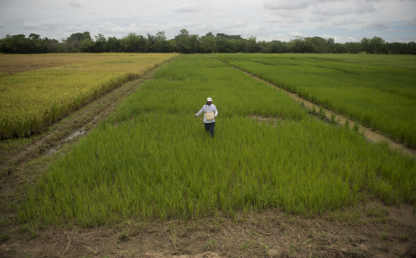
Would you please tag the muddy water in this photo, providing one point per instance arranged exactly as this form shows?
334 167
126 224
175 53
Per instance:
75 134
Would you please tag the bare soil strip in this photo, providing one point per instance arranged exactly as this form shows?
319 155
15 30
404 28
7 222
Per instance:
370 134
371 230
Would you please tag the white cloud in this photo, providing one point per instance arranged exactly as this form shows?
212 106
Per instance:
75 4
287 5
264 19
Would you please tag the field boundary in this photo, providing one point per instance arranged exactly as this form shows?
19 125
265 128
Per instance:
324 112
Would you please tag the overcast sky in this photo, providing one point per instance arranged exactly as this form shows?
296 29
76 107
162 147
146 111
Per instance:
343 20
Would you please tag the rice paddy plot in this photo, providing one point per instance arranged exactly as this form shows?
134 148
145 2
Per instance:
377 90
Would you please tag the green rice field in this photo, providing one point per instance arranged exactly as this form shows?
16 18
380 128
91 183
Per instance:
153 159
377 90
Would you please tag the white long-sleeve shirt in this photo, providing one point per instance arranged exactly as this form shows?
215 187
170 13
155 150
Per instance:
208 108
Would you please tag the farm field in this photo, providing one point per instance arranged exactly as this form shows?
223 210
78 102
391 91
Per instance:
37 90
12 63
377 90
152 159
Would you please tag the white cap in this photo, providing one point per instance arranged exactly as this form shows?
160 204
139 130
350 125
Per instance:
209 99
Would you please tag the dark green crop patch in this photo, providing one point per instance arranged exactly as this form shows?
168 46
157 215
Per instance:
376 90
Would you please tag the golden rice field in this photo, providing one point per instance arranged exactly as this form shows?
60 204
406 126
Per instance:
37 90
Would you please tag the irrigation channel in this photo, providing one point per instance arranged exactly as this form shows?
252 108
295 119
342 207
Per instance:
368 133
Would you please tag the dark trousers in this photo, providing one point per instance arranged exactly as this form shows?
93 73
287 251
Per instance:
209 127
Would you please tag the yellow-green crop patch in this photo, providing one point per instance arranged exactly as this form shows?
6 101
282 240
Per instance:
32 100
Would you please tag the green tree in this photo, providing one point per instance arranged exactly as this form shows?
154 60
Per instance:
378 45
159 42
184 43
34 36
208 43
365 45
133 43
278 47
74 41
113 45
252 46
353 47
100 44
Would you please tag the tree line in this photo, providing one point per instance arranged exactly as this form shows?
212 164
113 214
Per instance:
185 42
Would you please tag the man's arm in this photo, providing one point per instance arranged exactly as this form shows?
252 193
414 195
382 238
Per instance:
216 111
200 111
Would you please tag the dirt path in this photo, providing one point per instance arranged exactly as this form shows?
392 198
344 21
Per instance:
331 115
370 230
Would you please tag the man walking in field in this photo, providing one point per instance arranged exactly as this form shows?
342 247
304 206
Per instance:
210 112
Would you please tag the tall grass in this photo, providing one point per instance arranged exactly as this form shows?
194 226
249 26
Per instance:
32 100
377 90
152 158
